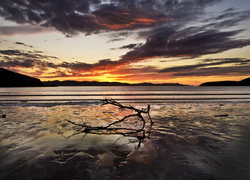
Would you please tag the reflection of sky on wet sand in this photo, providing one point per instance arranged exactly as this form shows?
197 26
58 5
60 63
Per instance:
206 140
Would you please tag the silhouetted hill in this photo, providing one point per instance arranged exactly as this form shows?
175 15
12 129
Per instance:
95 83
244 82
12 79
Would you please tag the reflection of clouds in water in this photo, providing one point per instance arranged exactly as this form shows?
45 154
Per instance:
187 141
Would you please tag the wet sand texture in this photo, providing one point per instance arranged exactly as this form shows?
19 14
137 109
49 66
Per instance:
187 141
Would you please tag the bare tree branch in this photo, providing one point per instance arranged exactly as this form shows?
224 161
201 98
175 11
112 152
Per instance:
110 127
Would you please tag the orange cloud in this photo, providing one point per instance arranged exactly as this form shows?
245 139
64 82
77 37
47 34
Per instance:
148 21
128 18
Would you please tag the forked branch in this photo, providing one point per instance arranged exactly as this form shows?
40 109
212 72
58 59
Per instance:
110 127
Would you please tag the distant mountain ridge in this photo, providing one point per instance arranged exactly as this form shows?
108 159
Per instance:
244 82
95 83
13 79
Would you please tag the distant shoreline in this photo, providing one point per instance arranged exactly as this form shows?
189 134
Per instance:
13 79
95 83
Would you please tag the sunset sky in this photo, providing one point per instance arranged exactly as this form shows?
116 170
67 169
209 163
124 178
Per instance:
135 41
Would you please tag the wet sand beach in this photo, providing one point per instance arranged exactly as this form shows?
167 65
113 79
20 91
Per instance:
187 141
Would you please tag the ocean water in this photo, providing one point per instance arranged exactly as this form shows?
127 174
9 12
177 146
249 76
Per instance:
199 133
135 94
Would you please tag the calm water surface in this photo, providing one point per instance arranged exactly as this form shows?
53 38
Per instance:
153 94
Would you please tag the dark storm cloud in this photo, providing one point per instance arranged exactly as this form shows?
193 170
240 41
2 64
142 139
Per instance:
206 63
228 18
32 59
23 30
28 54
227 66
104 64
217 71
25 59
27 63
236 66
118 36
179 39
45 64
8 62
173 28
186 43
93 16
130 46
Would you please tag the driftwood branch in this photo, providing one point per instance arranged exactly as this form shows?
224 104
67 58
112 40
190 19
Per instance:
110 127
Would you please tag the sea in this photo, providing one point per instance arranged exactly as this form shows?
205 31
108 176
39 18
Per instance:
198 133
128 94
